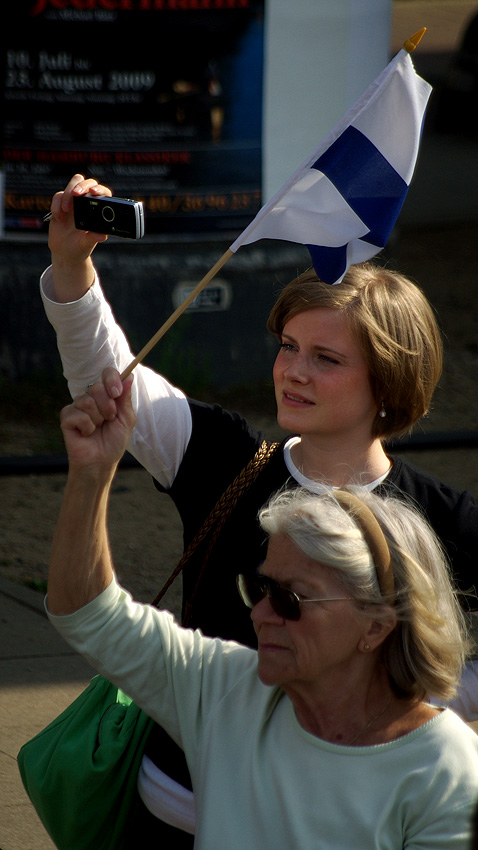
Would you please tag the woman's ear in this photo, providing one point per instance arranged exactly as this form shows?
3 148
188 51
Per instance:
378 630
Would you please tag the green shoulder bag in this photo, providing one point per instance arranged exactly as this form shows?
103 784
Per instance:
80 771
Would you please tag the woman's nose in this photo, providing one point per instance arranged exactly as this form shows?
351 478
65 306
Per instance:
298 369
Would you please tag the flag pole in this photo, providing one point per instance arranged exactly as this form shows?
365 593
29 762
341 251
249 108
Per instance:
179 310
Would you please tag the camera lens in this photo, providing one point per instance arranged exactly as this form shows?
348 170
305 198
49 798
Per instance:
108 214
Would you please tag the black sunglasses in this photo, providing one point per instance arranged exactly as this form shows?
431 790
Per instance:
285 603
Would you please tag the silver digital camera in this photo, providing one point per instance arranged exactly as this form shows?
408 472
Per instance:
114 216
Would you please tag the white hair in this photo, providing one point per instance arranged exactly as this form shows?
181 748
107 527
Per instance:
425 652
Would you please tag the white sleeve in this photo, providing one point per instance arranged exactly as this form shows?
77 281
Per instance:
465 703
89 339
176 675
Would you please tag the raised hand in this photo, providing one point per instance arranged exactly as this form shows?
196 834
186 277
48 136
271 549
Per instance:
71 249
96 428
64 240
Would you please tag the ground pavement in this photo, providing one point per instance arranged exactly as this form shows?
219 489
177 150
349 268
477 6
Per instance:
39 676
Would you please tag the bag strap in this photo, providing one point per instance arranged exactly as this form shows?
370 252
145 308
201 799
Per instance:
220 512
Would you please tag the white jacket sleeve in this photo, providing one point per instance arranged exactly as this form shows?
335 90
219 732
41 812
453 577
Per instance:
89 339
465 704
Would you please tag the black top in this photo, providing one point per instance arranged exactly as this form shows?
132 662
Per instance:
220 446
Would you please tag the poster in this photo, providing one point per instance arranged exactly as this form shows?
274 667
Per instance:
159 99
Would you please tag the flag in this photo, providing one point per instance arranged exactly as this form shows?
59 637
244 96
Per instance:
343 201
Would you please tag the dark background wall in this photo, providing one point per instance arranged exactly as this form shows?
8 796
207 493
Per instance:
207 346
231 347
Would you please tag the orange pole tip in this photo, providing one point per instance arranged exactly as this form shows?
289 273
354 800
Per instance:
414 40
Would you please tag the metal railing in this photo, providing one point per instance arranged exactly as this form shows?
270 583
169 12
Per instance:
50 464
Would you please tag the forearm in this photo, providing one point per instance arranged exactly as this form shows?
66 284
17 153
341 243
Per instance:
71 280
88 336
80 565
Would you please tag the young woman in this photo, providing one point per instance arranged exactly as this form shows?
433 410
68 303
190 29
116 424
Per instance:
358 362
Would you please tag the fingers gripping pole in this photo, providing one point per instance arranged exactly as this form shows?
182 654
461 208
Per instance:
179 310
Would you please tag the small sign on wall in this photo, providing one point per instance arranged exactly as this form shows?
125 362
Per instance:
215 297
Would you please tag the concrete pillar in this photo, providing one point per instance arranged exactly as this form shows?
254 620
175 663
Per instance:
320 55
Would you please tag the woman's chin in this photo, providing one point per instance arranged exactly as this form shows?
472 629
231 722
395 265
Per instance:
267 678
270 674
288 420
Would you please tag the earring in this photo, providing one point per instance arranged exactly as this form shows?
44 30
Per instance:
382 412
366 647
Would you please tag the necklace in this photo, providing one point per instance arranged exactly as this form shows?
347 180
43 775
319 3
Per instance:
370 722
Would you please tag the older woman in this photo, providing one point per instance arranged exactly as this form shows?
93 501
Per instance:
324 736
357 363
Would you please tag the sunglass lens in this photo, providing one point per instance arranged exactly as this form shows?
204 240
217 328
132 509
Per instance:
284 602
253 588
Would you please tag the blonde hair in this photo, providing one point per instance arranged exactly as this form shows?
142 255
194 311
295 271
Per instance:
425 652
395 328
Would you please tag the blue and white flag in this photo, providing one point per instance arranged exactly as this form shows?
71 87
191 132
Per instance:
344 199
